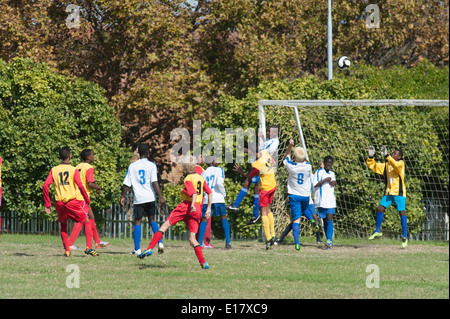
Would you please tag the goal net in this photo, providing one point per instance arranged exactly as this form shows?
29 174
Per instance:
345 129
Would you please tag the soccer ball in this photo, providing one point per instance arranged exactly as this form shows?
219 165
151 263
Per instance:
343 62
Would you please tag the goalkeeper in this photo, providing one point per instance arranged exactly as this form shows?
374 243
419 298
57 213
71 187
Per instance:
393 171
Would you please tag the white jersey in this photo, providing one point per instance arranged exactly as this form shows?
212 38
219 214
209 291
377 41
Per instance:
299 179
270 145
324 195
215 178
140 176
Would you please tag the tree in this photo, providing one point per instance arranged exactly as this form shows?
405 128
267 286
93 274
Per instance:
42 111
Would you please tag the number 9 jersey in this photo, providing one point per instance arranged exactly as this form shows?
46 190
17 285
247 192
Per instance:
194 184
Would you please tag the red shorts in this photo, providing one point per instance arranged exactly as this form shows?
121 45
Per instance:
183 212
266 197
74 209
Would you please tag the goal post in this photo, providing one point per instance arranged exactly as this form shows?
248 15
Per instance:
344 129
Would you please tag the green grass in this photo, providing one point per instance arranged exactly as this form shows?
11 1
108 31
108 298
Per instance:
33 266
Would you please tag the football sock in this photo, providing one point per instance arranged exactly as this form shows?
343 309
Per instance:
286 231
329 231
240 197
404 222
156 238
65 237
137 237
88 233
155 228
271 224
201 231
380 217
199 254
75 232
265 226
94 231
255 205
226 229
318 235
296 233
308 214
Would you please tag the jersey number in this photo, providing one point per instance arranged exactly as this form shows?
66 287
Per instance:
210 181
300 179
199 188
63 177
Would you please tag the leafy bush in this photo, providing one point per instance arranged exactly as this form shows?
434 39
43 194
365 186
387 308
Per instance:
42 111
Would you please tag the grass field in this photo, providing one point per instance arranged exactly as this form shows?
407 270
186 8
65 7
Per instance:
33 266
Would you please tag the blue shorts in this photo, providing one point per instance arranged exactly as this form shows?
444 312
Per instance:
312 209
256 179
323 212
399 201
298 205
217 209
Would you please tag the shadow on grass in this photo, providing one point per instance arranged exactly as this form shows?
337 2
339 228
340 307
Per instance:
153 266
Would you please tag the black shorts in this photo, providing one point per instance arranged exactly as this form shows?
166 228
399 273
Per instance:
144 209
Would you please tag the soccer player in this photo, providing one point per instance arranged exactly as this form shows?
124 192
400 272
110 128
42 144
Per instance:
215 177
393 171
142 178
270 145
189 211
87 178
299 189
264 167
207 231
324 198
67 183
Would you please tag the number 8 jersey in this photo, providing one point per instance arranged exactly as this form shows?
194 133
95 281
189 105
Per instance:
299 180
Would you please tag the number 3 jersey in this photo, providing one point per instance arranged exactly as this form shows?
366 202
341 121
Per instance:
67 184
194 184
140 176
299 179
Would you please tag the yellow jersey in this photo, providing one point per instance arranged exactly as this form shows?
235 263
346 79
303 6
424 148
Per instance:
394 175
65 187
264 164
87 175
194 184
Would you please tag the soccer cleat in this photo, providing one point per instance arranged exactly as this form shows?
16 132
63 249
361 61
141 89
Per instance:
404 242
297 247
375 235
270 243
319 242
135 252
205 265
101 244
67 253
145 253
227 246
73 247
253 220
91 252
160 248
329 244
231 208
